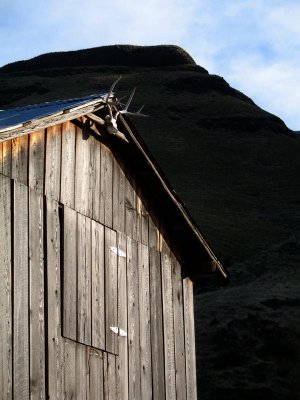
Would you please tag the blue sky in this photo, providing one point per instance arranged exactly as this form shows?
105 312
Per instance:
253 44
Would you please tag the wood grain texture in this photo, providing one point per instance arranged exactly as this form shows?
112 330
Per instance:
111 376
122 360
53 162
130 210
36 161
55 341
70 273
168 323
36 298
144 310
134 363
96 375
6 157
157 338
178 330
5 290
111 290
67 190
98 210
84 172
1 156
190 353
81 372
118 197
153 234
69 372
107 184
98 289
84 279
19 166
21 294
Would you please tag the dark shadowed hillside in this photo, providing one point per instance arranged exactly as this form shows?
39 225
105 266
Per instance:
237 168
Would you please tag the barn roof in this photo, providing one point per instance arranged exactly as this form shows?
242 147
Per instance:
18 121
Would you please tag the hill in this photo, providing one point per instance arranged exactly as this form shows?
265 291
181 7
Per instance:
237 168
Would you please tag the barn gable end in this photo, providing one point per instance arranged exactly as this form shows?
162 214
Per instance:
95 300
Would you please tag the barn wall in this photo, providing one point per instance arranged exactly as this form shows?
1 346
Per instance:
64 171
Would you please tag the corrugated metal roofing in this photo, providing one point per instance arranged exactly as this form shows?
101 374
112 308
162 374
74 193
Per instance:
21 115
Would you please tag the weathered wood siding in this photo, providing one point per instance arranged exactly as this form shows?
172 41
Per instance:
81 254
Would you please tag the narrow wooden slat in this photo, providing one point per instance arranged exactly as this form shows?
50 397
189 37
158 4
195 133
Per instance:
55 346
98 212
144 305
84 171
20 159
21 294
133 321
179 330
84 284
111 293
118 197
157 339
96 375
69 273
6 157
37 293
168 322
107 184
53 161
190 354
130 210
98 293
69 374
67 191
36 160
81 372
153 234
111 393
144 224
5 290
122 320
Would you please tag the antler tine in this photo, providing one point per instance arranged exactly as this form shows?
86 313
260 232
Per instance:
111 89
129 100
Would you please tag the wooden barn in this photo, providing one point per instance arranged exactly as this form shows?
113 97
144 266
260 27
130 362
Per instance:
96 259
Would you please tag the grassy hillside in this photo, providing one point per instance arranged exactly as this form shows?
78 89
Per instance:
237 168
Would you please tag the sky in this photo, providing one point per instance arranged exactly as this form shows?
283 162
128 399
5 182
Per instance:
253 44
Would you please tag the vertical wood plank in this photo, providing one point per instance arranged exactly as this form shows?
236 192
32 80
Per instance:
145 339
53 161
153 234
98 293
130 210
118 197
157 339
98 210
96 375
69 273
179 330
67 191
111 392
36 160
20 159
5 290
84 285
37 292
69 383
168 322
21 294
55 345
144 224
107 184
6 157
84 172
122 359
190 353
133 321
111 293
81 372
